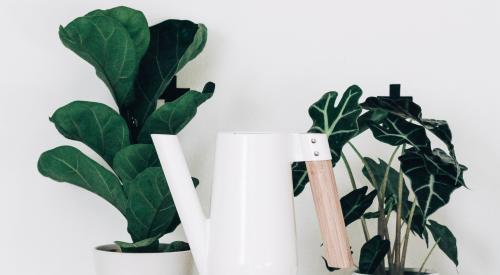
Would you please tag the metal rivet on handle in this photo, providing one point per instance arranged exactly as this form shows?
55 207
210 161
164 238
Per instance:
316 153
313 140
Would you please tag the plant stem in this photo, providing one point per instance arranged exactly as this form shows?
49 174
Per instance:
407 233
397 240
353 183
428 256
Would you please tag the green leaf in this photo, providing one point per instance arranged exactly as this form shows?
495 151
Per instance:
433 177
177 246
173 116
372 253
299 176
173 44
329 268
397 131
445 240
370 117
151 210
133 159
68 164
106 44
95 124
143 246
355 204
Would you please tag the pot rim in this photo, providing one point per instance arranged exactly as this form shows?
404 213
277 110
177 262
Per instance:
106 249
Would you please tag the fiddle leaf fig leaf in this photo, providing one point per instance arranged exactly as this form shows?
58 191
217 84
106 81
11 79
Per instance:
106 44
356 203
133 159
173 44
445 240
173 116
397 131
151 210
433 177
143 246
95 124
372 253
68 164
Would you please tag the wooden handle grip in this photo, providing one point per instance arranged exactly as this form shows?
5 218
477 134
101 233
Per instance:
331 220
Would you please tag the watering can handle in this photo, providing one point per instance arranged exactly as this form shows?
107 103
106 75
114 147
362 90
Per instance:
329 212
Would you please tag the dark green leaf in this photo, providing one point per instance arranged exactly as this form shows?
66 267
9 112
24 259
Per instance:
177 246
445 239
397 131
329 268
95 124
151 210
68 164
173 116
106 44
372 253
378 170
173 44
355 204
441 129
133 159
144 246
299 176
370 117
433 177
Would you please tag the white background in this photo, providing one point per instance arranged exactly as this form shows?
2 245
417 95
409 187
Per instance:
270 61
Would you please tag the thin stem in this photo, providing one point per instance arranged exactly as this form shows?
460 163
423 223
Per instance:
353 183
397 240
407 233
383 186
428 256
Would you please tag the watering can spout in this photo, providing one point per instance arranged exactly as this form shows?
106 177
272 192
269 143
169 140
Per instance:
194 221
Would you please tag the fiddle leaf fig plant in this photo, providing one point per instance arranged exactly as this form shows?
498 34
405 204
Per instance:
414 190
137 63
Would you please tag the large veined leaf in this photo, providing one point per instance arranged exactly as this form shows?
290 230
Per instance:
106 44
95 124
372 253
397 131
173 44
339 122
173 116
355 204
445 240
151 210
370 117
133 159
68 164
433 177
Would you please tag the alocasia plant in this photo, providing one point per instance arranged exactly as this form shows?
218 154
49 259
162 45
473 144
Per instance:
137 63
432 173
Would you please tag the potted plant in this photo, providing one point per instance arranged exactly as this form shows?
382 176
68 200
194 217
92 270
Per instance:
421 184
138 64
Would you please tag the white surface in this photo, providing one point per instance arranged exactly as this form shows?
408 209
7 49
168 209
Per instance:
270 61
169 263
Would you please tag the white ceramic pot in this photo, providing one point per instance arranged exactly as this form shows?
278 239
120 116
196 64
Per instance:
411 271
110 262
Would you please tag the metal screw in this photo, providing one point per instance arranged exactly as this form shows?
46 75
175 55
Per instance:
316 153
313 140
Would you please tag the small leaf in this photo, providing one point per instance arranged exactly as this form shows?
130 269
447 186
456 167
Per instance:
173 116
133 159
176 246
355 204
68 164
95 124
329 268
445 239
144 246
372 254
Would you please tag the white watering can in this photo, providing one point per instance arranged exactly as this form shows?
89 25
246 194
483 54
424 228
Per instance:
251 228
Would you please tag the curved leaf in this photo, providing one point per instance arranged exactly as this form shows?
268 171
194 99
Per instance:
173 116
143 246
173 44
445 240
433 177
68 164
106 44
355 204
370 117
133 159
95 124
151 210
299 177
176 246
372 253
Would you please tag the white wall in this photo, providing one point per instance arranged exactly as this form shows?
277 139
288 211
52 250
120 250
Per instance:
270 61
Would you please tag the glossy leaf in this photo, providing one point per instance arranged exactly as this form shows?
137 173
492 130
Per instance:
445 240
300 177
173 116
95 124
151 210
68 164
107 45
371 255
133 159
174 247
143 246
173 44
433 177
355 204
370 117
